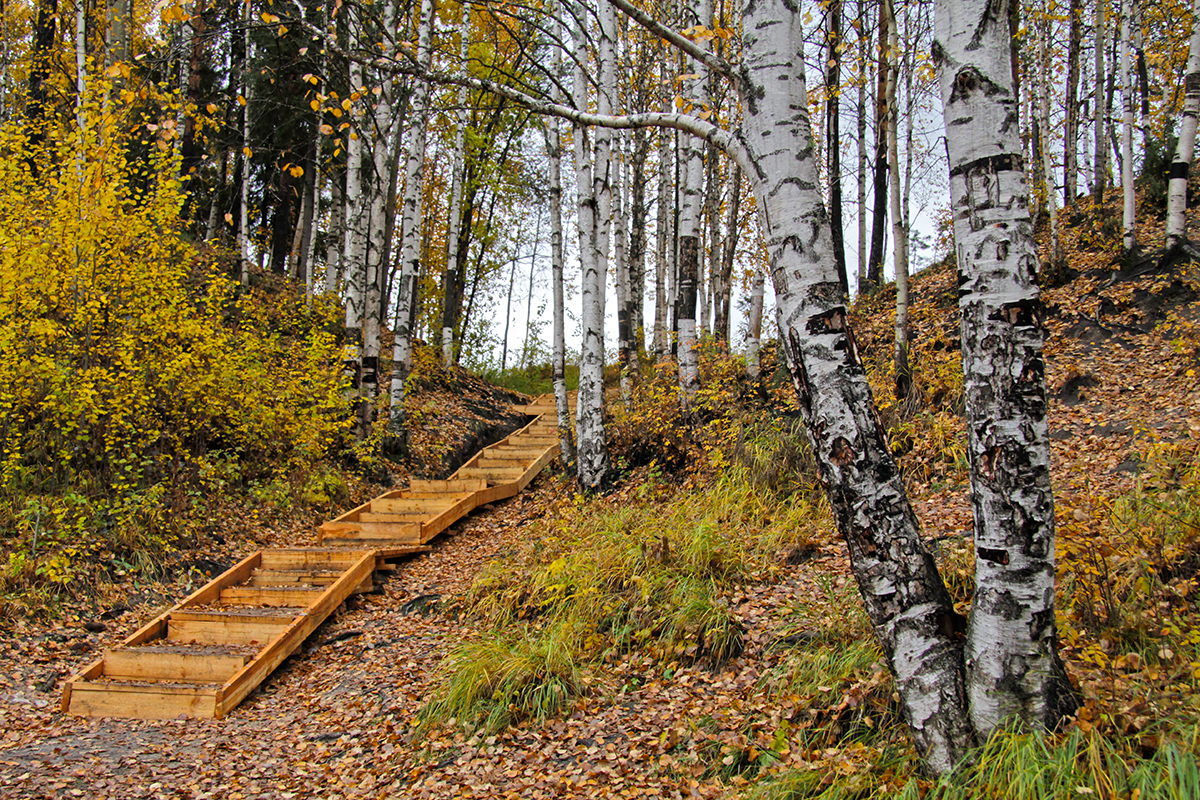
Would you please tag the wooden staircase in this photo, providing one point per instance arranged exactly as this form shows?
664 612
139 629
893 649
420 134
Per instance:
206 654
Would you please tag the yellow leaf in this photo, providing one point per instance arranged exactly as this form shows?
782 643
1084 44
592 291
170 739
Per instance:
268 18
113 72
346 104
315 105
247 152
211 108
228 218
282 30
327 129
296 171
313 79
241 100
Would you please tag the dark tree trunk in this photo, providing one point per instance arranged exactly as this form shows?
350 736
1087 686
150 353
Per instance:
879 218
833 77
44 33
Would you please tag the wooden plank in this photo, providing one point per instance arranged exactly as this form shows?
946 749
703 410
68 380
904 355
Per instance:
494 474
393 517
300 596
352 514
448 517
537 467
446 486
433 504
144 701
173 664
308 558
226 629
254 673
293 578
395 532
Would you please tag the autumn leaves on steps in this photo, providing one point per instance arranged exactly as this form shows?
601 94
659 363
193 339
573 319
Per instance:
206 654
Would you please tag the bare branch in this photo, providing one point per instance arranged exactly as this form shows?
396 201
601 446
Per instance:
676 39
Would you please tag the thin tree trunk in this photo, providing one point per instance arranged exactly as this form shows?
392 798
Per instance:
833 80
754 332
903 373
1047 162
512 280
1012 664
880 188
1071 123
637 248
1129 223
662 266
559 351
725 284
1099 41
244 216
1181 164
862 150
626 351
451 294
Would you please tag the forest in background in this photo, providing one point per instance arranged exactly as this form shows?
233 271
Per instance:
253 218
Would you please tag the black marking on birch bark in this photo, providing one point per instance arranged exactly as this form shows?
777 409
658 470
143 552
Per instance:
988 460
1041 622
951 624
991 14
938 52
1179 170
992 555
1031 380
841 453
970 80
990 165
1003 604
1026 312
370 369
832 321
803 390
1191 82
351 366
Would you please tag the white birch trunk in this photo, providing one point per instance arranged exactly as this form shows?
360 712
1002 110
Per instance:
862 160
1099 41
691 207
449 289
410 233
664 250
754 332
1185 150
1128 220
1044 126
355 233
1013 668
905 598
625 346
592 446
335 235
903 373
244 215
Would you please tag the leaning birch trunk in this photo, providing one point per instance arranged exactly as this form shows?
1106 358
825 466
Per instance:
1181 164
907 603
754 332
1013 666
410 237
1128 220
1098 137
592 447
903 372
449 290
1044 128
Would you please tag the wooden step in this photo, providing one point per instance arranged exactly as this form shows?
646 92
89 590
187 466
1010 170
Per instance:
143 700
448 486
395 517
493 475
172 664
226 627
294 596
293 578
302 557
396 505
357 532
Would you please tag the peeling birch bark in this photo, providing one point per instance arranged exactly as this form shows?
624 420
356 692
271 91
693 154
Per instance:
907 603
1186 148
1013 667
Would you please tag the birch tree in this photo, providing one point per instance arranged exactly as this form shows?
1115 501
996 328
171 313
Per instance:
1099 138
410 234
903 372
1128 219
1176 231
1012 664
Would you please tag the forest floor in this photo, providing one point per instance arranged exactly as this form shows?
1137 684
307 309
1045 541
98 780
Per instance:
338 718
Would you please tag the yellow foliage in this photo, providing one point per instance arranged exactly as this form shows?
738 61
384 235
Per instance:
127 358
